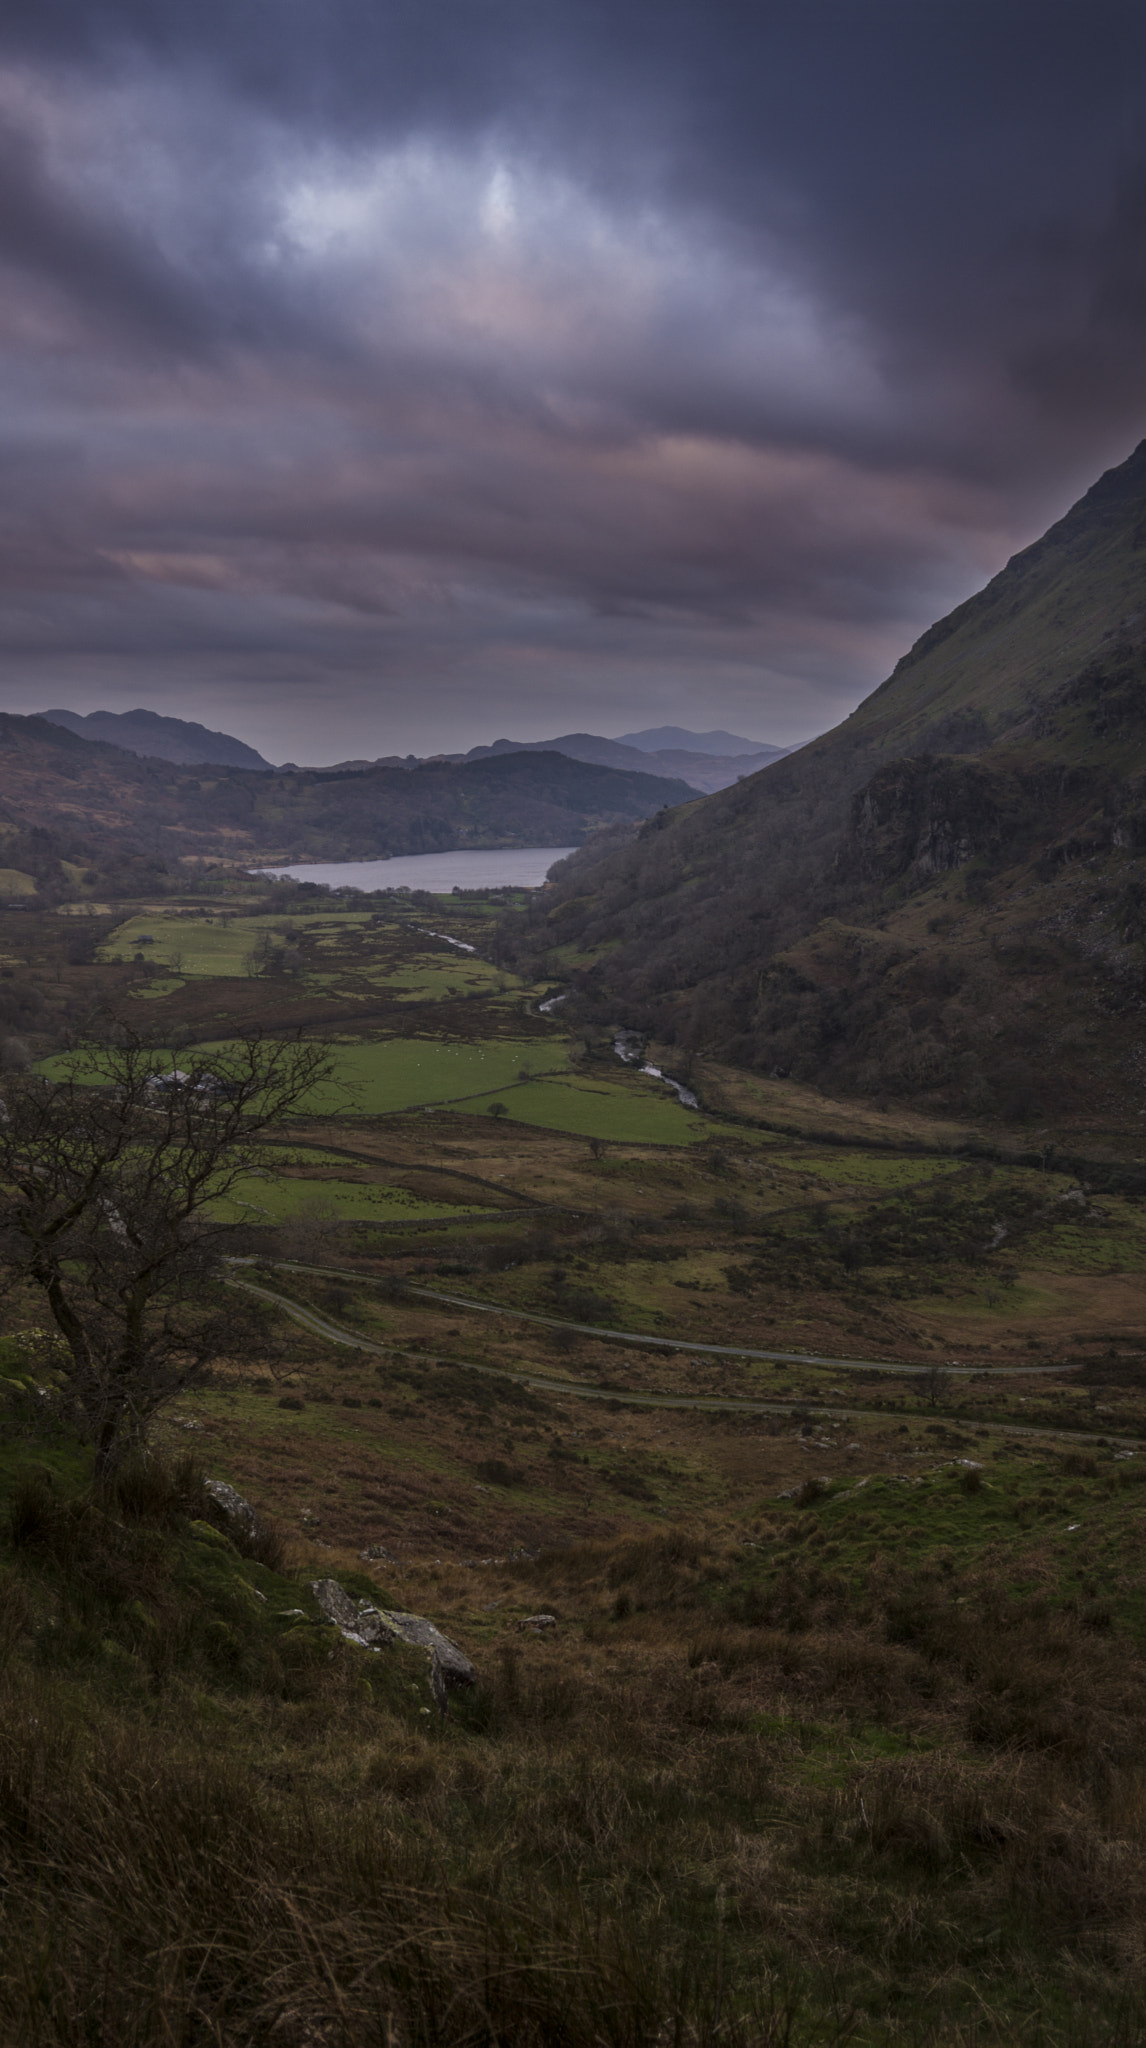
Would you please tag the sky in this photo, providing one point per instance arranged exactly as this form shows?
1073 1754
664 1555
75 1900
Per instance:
380 377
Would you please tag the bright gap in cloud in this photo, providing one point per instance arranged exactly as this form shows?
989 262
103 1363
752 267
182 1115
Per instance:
466 254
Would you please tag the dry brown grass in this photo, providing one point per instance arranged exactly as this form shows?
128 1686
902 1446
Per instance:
677 1818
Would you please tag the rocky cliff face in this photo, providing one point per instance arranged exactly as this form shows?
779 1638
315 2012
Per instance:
923 817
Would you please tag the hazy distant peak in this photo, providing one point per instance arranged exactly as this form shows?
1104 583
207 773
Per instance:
696 765
164 739
657 737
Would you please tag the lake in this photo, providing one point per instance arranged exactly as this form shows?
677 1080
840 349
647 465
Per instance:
517 867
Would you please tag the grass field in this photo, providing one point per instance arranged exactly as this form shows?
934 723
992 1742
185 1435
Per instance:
210 946
435 979
154 991
840 1168
632 1111
380 1076
272 1198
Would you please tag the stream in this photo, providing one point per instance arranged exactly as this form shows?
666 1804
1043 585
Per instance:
462 944
628 1046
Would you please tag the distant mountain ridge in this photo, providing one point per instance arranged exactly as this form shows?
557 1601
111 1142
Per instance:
68 799
160 738
701 767
705 761
657 739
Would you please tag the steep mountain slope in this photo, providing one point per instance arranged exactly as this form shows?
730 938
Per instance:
68 799
943 897
163 739
711 772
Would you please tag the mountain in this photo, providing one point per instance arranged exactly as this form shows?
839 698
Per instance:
943 898
111 816
701 769
710 772
659 737
163 739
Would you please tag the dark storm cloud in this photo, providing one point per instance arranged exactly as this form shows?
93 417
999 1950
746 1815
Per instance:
496 364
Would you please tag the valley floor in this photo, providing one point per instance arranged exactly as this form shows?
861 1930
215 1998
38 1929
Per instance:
820 1434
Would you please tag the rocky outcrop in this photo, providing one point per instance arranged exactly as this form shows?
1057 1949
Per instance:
924 816
234 1513
374 1628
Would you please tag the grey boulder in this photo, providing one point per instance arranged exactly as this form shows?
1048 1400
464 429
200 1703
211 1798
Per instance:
373 1627
233 1508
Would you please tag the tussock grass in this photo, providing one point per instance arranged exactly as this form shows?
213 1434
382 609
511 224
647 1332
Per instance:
151 1901
734 1797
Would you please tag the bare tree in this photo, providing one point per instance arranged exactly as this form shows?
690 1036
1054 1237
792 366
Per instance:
111 1181
937 1383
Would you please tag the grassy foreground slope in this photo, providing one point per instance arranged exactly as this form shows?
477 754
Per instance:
835 1727
807 1761
909 905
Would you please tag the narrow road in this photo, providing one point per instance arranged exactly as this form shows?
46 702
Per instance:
719 1404
642 1340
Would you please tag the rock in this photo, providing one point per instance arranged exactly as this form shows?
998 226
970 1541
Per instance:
237 1511
538 1622
377 1553
339 1608
450 1668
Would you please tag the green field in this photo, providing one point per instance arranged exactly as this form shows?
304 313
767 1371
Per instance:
632 1111
435 977
165 986
866 1169
208 946
378 1076
271 1198
375 1076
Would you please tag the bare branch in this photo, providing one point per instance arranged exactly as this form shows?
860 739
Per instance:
111 1179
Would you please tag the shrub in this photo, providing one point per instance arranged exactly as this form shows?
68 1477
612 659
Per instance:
32 1508
495 1472
151 1490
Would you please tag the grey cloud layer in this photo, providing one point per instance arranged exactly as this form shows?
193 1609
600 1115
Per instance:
385 377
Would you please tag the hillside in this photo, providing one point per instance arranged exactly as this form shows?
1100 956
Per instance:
939 899
111 814
163 739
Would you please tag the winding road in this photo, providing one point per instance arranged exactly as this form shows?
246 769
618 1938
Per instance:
321 1325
